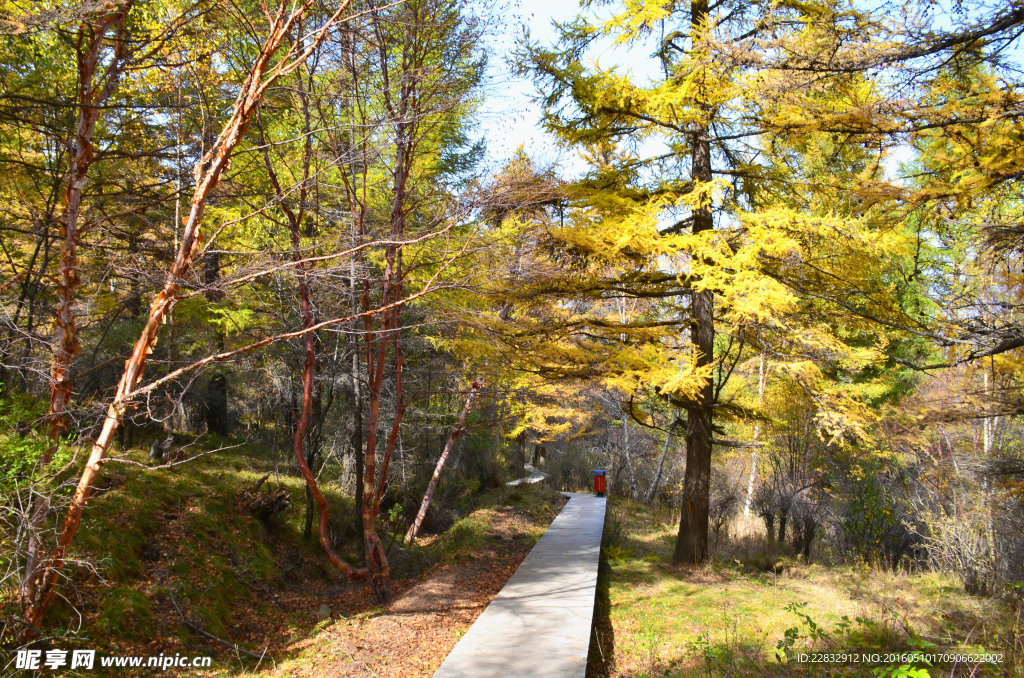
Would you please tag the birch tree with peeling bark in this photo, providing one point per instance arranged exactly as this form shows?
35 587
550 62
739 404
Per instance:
95 85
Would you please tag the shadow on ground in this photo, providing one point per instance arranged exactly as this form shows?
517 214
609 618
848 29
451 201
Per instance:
601 658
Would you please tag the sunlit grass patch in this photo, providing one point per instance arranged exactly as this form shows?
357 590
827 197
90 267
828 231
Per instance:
728 618
535 506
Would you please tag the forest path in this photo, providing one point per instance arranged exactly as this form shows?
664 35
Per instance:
534 477
539 623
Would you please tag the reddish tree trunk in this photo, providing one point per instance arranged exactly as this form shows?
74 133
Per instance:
295 219
377 344
92 92
300 432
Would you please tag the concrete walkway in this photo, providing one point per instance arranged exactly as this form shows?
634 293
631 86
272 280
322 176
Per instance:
539 624
534 477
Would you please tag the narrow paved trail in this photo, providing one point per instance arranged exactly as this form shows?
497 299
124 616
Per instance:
539 624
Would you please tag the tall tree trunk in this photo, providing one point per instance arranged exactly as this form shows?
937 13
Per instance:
692 541
653 490
208 172
757 432
357 206
457 430
403 112
376 559
299 439
93 91
304 448
378 343
356 438
313 444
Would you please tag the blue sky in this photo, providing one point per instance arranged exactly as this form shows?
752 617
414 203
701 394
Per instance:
509 117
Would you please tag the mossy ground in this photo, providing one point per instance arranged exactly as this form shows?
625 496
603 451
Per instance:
154 538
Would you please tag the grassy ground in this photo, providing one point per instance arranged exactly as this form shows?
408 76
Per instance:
748 615
156 538
158 547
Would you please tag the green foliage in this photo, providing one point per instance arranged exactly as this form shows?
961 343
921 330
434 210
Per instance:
229 321
462 538
21 442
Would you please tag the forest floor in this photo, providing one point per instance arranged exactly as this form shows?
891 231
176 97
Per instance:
174 544
412 636
171 545
746 614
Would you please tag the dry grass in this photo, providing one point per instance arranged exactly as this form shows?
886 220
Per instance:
732 617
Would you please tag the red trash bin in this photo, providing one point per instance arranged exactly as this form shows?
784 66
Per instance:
599 482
